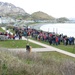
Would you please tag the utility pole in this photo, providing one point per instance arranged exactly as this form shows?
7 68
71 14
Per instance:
48 29
56 30
27 35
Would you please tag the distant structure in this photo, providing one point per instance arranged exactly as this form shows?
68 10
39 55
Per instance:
0 20
6 20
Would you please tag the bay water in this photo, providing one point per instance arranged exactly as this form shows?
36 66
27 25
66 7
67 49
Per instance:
60 28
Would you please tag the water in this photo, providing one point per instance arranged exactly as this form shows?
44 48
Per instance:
60 28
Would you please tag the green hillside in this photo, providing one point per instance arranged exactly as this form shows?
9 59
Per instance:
41 16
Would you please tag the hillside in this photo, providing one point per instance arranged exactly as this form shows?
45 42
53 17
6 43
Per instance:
41 16
8 9
13 12
62 19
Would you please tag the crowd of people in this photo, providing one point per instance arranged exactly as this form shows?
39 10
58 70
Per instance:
8 35
39 35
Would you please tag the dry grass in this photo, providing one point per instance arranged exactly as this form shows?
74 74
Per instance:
21 63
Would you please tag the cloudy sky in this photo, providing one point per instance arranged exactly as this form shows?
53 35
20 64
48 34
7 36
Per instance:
55 8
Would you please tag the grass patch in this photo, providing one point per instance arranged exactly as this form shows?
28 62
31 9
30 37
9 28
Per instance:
56 56
46 63
69 48
1 30
17 44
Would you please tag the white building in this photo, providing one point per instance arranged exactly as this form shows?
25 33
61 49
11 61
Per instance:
6 20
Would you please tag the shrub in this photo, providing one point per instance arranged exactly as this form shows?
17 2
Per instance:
22 63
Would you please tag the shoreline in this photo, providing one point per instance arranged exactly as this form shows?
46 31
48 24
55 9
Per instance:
37 26
55 29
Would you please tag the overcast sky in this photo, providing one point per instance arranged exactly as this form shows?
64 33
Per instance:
55 8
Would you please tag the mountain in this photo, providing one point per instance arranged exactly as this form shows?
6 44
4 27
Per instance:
62 19
72 20
41 16
8 9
